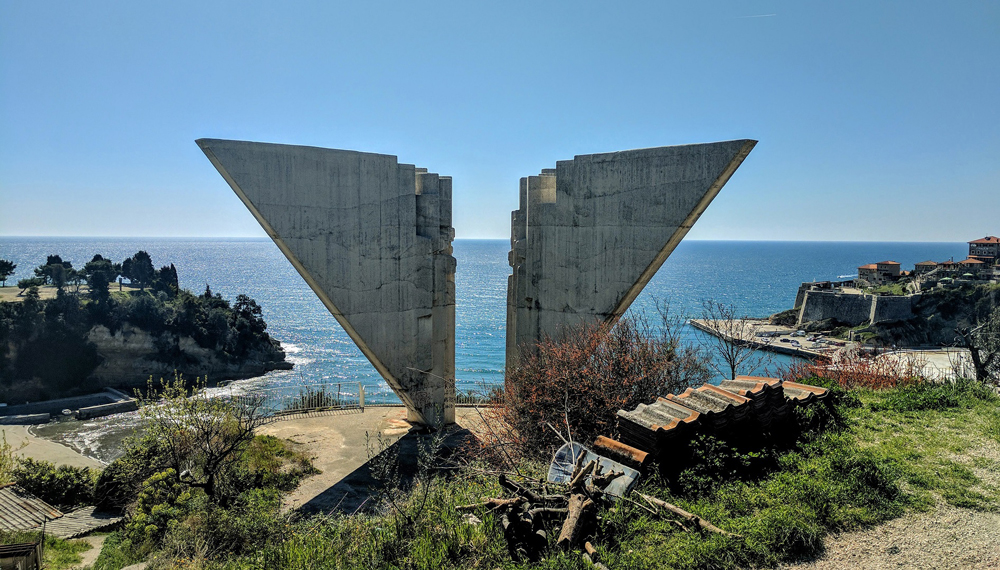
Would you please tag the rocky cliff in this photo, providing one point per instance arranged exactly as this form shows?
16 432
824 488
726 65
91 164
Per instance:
130 356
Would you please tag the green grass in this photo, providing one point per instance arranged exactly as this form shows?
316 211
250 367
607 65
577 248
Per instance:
870 458
58 554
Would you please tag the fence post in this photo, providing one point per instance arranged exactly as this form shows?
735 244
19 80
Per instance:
361 396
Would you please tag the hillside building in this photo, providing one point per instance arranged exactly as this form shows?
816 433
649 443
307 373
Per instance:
986 250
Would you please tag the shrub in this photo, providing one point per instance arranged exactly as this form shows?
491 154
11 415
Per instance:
62 487
855 369
927 396
118 484
583 379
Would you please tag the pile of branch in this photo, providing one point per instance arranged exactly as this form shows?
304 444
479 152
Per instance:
688 522
530 514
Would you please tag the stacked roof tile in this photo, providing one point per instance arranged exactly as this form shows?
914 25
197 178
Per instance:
650 427
20 510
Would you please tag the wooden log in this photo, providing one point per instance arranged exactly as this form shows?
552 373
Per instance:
580 507
492 503
581 475
692 519
546 511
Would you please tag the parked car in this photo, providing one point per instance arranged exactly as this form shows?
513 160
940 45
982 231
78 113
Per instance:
783 339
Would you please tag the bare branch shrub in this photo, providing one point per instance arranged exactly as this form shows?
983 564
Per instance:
983 342
579 382
727 339
858 369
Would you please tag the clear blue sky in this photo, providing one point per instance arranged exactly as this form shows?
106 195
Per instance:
876 120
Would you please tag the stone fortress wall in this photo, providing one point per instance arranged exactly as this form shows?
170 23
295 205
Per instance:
853 309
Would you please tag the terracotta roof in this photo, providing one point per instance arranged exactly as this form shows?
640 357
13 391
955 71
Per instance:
20 510
971 261
928 262
888 263
869 266
987 239
652 427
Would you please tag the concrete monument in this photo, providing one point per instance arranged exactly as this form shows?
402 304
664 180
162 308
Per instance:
372 237
589 234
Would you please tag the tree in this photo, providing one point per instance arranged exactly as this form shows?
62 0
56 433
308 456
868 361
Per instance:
138 269
6 270
202 437
99 273
53 263
165 280
732 339
983 342
30 282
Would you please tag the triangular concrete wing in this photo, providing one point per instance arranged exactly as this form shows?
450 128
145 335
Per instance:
598 227
350 224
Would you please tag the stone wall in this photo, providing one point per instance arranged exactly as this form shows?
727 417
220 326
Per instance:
854 309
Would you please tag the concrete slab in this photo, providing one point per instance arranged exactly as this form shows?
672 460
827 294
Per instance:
372 238
341 445
591 233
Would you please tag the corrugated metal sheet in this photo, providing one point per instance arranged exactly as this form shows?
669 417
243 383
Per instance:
20 510
651 427
80 522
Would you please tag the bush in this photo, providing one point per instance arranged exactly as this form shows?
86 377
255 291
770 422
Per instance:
118 484
584 379
929 396
63 487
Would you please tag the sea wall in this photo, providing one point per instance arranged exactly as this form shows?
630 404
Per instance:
849 309
129 358
887 309
854 309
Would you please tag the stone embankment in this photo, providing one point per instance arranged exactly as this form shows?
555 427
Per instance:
780 339
853 309
104 403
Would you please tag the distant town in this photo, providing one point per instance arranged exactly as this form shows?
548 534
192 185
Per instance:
981 264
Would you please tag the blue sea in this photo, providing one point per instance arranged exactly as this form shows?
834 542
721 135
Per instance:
759 278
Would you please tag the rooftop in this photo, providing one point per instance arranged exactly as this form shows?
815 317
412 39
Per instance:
20 510
987 239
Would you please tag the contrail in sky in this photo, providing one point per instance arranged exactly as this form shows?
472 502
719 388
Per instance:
758 16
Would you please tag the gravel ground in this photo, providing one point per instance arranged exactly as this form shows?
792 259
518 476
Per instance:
943 539
947 538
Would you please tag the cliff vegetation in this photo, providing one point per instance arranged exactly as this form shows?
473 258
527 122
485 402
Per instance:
89 336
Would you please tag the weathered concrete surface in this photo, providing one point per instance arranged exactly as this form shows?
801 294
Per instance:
589 234
372 237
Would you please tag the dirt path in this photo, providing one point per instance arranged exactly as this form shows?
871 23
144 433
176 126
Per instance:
947 538
88 557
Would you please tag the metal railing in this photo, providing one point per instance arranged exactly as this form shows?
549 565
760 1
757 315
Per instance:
282 401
